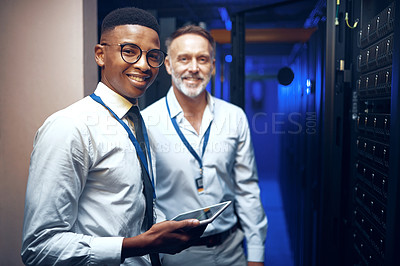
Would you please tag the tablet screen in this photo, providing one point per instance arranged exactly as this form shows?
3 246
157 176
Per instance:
204 215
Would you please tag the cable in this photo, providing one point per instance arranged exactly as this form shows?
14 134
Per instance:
337 12
347 21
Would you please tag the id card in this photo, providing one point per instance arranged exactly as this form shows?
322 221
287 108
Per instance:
199 185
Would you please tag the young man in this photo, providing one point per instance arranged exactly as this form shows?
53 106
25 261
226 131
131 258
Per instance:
85 203
204 156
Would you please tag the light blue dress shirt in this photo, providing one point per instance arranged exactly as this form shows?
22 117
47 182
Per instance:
229 167
84 193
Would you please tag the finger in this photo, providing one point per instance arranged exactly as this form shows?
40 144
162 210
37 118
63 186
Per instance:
189 224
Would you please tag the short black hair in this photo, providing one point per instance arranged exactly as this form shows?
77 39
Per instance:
129 16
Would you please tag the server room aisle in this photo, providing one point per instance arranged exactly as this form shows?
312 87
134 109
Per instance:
277 248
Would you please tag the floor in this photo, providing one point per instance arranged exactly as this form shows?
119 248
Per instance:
277 249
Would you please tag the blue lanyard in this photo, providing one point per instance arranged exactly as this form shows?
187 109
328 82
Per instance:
187 144
132 138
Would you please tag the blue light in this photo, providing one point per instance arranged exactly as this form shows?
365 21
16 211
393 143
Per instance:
223 13
228 58
228 25
225 18
308 85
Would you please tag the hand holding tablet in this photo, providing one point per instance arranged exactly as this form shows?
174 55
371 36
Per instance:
205 215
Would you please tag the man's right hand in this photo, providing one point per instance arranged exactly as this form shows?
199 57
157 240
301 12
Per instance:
166 237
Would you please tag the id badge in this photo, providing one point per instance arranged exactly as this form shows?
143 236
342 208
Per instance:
199 185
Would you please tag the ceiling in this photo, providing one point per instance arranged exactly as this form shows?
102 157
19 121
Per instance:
259 14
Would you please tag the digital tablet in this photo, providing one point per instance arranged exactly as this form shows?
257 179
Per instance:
204 215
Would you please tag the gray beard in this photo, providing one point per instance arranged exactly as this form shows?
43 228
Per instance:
191 92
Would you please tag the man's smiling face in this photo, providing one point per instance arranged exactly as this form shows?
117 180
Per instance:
128 80
190 63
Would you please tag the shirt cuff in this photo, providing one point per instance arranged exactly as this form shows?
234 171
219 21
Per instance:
255 253
106 250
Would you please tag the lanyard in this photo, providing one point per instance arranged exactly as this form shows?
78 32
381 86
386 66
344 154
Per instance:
187 144
132 138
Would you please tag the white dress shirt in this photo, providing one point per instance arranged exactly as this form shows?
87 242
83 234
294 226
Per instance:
84 193
229 167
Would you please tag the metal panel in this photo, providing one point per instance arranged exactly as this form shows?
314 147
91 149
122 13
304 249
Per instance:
372 220
238 57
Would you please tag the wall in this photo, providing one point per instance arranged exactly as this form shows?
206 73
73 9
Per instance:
41 71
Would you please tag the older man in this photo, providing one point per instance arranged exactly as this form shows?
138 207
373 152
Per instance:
204 156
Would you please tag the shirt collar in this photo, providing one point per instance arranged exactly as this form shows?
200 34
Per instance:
113 100
177 112
176 109
174 106
210 103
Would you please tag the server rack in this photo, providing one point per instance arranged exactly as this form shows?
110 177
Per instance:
370 215
347 212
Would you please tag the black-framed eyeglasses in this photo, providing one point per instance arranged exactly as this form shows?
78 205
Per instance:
131 53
